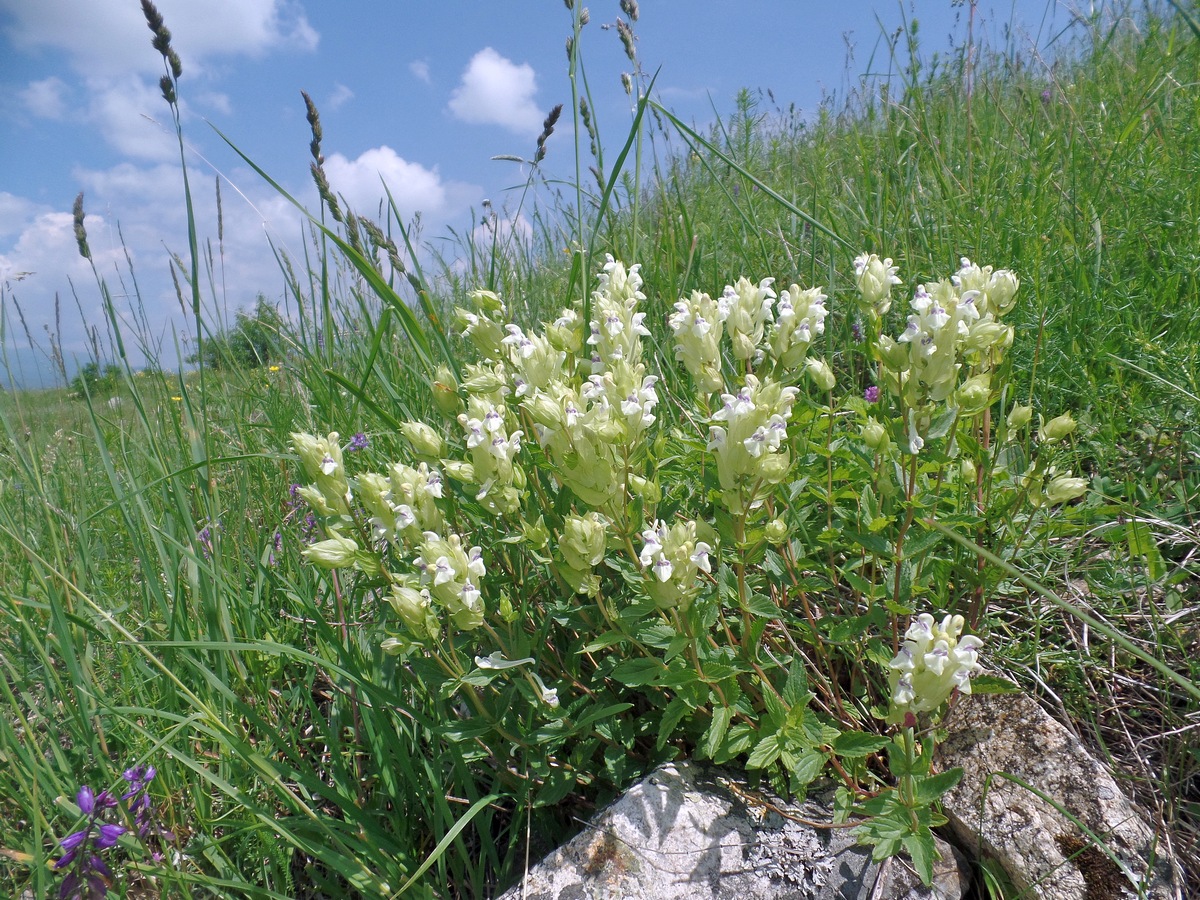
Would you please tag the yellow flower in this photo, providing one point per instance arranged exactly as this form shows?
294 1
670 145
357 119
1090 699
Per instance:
176 399
272 368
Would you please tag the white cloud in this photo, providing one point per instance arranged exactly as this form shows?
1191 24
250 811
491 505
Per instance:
413 187
131 114
217 101
46 98
340 96
109 37
420 70
496 91
16 212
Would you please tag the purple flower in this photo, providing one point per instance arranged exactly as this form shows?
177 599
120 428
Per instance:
871 394
108 836
856 331
359 442
86 800
1046 95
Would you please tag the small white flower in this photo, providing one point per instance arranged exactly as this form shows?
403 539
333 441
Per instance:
663 569
475 563
443 571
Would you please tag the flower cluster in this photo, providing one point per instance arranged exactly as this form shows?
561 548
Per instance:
750 442
139 805
674 559
953 324
492 448
934 661
321 458
90 876
582 545
874 278
403 506
449 578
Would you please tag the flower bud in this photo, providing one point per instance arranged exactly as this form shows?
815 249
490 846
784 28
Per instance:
875 277
821 374
459 471
1063 488
893 354
335 553
776 532
425 442
482 381
413 606
583 541
875 435
645 488
974 395
445 391
1019 416
1001 288
1056 429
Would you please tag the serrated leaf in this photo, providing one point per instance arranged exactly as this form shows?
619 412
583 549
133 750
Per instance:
638 672
604 641
922 851
738 741
928 789
764 753
809 766
671 717
853 744
715 734
763 606
795 689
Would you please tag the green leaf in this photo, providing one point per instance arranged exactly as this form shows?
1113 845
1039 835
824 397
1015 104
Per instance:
763 606
604 641
638 672
764 753
738 741
1140 541
991 684
721 718
928 789
809 766
671 717
795 689
921 849
855 743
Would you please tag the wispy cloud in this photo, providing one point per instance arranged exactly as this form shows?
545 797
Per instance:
497 91
109 37
340 97
420 71
46 99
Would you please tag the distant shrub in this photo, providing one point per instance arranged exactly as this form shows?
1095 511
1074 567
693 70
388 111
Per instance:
252 343
94 380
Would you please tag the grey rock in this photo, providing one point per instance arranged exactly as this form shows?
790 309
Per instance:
687 831
1046 855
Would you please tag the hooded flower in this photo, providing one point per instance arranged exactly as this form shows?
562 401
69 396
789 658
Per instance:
933 662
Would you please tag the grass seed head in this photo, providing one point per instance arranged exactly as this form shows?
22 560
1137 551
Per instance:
80 232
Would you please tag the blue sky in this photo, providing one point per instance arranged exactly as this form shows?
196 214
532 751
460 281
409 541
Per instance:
420 94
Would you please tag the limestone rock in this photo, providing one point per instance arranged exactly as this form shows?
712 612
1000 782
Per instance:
1042 851
687 831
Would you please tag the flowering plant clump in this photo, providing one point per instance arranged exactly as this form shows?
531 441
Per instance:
597 564
89 876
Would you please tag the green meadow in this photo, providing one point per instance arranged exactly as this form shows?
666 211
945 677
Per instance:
267 620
